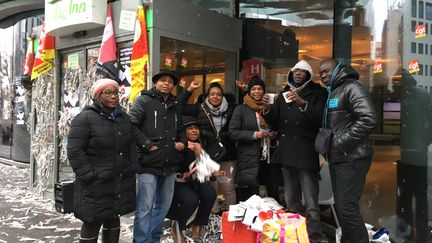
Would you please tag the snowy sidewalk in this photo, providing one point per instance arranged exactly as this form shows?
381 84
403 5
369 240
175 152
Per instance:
27 217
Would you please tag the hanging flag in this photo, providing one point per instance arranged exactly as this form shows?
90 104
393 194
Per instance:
44 55
140 54
107 60
29 60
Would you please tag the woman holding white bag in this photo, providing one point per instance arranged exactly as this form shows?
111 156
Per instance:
189 193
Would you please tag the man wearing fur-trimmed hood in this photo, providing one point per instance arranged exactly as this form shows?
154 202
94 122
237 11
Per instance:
296 114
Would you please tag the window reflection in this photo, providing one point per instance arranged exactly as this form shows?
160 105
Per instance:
383 41
194 62
279 34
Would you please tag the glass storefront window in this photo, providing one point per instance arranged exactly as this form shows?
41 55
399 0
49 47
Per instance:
193 62
389 44
280 34
388 49
6 92
220 6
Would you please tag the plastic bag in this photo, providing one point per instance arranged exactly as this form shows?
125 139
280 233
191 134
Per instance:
204 166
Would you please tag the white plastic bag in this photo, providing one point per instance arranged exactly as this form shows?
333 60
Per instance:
205 167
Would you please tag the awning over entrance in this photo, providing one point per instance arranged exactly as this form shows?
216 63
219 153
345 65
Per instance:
13 11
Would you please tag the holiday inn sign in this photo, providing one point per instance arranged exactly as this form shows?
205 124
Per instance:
64 17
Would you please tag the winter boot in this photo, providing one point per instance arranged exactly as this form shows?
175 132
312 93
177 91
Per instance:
110 235
197 233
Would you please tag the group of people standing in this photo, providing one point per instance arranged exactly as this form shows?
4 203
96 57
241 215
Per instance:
170 134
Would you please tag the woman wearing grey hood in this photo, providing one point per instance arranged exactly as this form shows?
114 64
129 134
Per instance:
297 115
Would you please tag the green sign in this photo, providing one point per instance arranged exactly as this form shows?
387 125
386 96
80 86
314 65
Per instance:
73 62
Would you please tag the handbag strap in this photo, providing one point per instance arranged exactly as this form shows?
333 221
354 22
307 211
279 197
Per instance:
329 93
210 119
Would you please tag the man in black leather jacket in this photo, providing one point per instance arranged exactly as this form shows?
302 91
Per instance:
351 115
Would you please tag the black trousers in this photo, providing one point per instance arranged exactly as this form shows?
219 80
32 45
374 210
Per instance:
270 175
304 182
91 230
187 197
348 179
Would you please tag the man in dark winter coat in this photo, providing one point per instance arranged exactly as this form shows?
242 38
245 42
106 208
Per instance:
297 115
160 137
352 117
412 169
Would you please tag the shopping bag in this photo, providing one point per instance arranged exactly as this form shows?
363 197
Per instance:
236 232
204 167
286 228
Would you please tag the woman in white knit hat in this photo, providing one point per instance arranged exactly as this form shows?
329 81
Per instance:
100 153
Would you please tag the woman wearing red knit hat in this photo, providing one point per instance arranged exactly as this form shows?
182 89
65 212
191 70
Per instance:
99 151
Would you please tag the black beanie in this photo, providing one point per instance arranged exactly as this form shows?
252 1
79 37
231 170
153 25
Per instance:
255 80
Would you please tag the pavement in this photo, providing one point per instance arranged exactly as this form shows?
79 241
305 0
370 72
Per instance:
28 217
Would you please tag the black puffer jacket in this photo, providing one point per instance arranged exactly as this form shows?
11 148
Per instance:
100 153
242 128
207 130
155 122
351 115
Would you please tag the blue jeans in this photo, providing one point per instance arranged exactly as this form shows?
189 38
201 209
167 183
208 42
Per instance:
153 202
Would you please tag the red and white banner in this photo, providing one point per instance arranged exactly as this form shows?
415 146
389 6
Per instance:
107 60
44 59
29 60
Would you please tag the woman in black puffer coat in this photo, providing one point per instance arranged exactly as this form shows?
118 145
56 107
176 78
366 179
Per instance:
100 150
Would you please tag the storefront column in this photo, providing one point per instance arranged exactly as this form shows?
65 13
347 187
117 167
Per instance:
342 30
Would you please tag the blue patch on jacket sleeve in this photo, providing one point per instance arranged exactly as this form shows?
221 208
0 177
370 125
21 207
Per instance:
333 103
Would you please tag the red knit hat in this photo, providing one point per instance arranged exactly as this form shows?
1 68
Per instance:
102 84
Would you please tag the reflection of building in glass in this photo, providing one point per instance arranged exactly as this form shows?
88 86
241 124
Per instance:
417 14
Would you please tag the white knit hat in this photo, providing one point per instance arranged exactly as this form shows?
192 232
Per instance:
102 84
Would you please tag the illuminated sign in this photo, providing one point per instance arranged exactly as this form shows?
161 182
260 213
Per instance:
413 66
63 17
184 62
252 68
378 67
420 31
168 61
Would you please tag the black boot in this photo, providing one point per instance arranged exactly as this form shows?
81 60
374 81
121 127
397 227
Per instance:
88 240
110 235
246 192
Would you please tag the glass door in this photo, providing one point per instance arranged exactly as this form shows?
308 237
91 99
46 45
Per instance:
191 62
